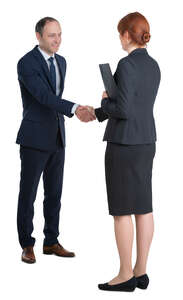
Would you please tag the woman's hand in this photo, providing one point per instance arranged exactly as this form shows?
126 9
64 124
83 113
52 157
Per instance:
104 95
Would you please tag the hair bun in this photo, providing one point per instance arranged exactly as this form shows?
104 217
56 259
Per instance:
146 37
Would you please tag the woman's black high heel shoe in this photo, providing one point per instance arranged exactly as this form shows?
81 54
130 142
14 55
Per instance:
126 286
142 281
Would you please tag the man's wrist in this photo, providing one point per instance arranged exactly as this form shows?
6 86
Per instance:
75 106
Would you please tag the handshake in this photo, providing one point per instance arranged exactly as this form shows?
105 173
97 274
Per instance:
85 113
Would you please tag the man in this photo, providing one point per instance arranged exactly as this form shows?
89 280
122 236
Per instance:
41 136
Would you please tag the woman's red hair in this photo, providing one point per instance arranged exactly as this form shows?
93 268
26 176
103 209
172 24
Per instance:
137 27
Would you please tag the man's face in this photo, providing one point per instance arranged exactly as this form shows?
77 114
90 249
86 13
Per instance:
51 37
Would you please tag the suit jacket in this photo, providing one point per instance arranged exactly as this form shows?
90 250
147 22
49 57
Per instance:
43 111
130 115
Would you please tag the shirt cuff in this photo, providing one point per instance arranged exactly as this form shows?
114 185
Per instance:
74 108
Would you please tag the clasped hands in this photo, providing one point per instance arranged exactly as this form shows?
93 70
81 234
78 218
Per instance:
87 113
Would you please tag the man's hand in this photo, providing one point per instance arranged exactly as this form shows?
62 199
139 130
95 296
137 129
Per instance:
85 113
91 109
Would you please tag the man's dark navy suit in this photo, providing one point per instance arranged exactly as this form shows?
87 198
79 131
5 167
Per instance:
42 144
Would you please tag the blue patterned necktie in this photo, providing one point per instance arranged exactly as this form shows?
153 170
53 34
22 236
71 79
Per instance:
52 73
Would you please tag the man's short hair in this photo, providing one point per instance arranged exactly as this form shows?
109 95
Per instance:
41 23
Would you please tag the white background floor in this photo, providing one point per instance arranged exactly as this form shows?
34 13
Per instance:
90 37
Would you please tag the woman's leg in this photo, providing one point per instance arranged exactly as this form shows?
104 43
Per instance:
144 234
124 234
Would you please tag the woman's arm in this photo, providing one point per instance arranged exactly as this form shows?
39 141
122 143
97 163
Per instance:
100 115
120 107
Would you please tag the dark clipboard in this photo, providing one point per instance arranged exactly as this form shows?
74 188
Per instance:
108 80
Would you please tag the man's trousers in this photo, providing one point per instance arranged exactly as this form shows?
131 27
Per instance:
34 163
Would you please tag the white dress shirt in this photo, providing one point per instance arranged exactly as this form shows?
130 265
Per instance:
46 57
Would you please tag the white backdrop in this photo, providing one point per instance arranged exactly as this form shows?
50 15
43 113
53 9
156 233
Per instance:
90 37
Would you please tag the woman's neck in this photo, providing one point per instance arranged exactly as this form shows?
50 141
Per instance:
130 49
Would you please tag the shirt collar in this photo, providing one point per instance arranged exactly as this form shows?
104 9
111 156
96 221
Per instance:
45 55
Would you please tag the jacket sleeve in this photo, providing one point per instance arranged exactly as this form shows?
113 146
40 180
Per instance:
100 115
36 86
120 107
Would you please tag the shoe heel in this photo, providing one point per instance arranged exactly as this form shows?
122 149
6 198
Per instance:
142 282
142 286
47 252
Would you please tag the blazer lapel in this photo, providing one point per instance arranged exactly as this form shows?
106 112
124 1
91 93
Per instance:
60 66
43 63
62 75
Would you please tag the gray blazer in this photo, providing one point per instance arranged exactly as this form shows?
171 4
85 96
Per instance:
130 115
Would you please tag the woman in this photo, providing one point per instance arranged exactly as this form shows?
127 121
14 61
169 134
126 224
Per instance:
131 138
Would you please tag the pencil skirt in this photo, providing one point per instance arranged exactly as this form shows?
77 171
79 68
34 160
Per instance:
128 173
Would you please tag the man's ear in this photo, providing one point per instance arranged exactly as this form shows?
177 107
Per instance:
38 36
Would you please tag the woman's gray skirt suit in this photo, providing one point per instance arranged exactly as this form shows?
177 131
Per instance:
131 134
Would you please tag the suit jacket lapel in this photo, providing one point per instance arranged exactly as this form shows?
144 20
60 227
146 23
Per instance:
59 62
62 75
43 63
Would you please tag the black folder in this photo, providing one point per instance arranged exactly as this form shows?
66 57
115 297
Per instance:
108 80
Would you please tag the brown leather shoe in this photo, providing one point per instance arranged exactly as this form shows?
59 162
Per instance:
28 255
58 250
